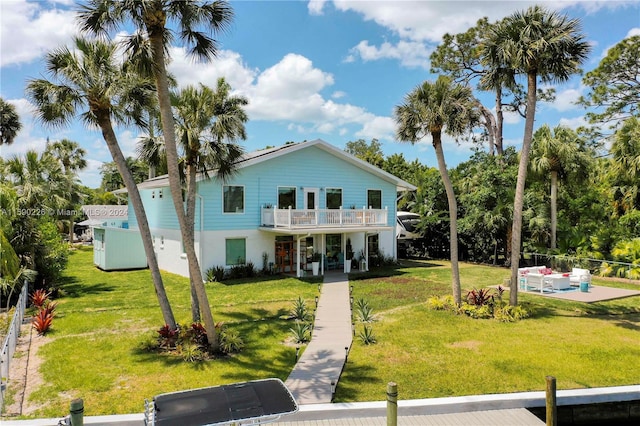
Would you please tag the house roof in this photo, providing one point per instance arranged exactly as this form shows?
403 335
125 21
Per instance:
256 157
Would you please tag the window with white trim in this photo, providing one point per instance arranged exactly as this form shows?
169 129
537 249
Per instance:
233 199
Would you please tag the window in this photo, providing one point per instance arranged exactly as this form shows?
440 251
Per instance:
236 251
374 198
287 197
233 199
334 198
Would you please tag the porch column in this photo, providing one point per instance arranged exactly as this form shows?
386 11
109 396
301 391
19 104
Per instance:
298 258
323 246
366 251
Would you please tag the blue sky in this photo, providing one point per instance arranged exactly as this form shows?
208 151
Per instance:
311 69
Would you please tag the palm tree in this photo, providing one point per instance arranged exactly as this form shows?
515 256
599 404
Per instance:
208 125
38 181
536 43
88 80
71 157
148 48
625 152
557 152
430 109
9 123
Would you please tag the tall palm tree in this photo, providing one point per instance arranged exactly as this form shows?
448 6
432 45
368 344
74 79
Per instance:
557 152
430 109
71 157
538 44
88 82
208 125
9 123
148 48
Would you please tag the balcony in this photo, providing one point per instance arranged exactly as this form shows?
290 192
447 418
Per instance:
324 218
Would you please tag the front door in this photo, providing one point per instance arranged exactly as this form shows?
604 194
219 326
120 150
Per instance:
311 198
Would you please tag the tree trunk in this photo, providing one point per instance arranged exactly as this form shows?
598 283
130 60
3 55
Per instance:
141 216
490 125
453 217
190 217
168 128
499 121
518 202
554 208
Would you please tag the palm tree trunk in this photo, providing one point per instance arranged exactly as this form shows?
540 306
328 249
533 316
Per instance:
554 207
499 121
143 225
518 202
168 129
453 218
190 217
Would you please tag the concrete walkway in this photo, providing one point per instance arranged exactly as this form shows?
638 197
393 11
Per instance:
323 360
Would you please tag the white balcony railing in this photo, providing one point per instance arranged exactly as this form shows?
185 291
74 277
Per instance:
323 218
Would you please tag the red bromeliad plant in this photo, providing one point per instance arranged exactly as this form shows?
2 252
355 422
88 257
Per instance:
39 297
42 320
479 297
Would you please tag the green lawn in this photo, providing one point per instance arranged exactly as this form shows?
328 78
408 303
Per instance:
104 319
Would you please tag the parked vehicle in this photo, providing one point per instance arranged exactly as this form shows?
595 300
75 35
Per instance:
406 231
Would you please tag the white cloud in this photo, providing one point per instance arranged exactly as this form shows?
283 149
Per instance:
566 99
227 64
633 32
28 30
573 123
338 94
316 7
410 53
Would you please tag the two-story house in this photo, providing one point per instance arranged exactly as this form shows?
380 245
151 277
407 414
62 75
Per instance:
284 204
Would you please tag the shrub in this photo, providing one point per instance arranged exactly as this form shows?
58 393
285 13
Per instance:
300 311
364 312
167 337
230 341
510 313
39 297
441 303
301 332
475 311
479 297
191 352
42 321
215 273
366 335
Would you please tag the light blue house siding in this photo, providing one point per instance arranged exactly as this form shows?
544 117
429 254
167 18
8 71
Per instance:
310 167
315 166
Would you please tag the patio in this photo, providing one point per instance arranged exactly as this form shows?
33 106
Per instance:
595 294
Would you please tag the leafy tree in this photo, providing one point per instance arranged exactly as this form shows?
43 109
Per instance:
459 56
88 81
615 84
486 185
371 153
111 178
148 49
558 153
625 152
535 43
430 109
9 123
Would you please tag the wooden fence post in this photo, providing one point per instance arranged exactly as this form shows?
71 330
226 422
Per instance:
392 404
552 407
